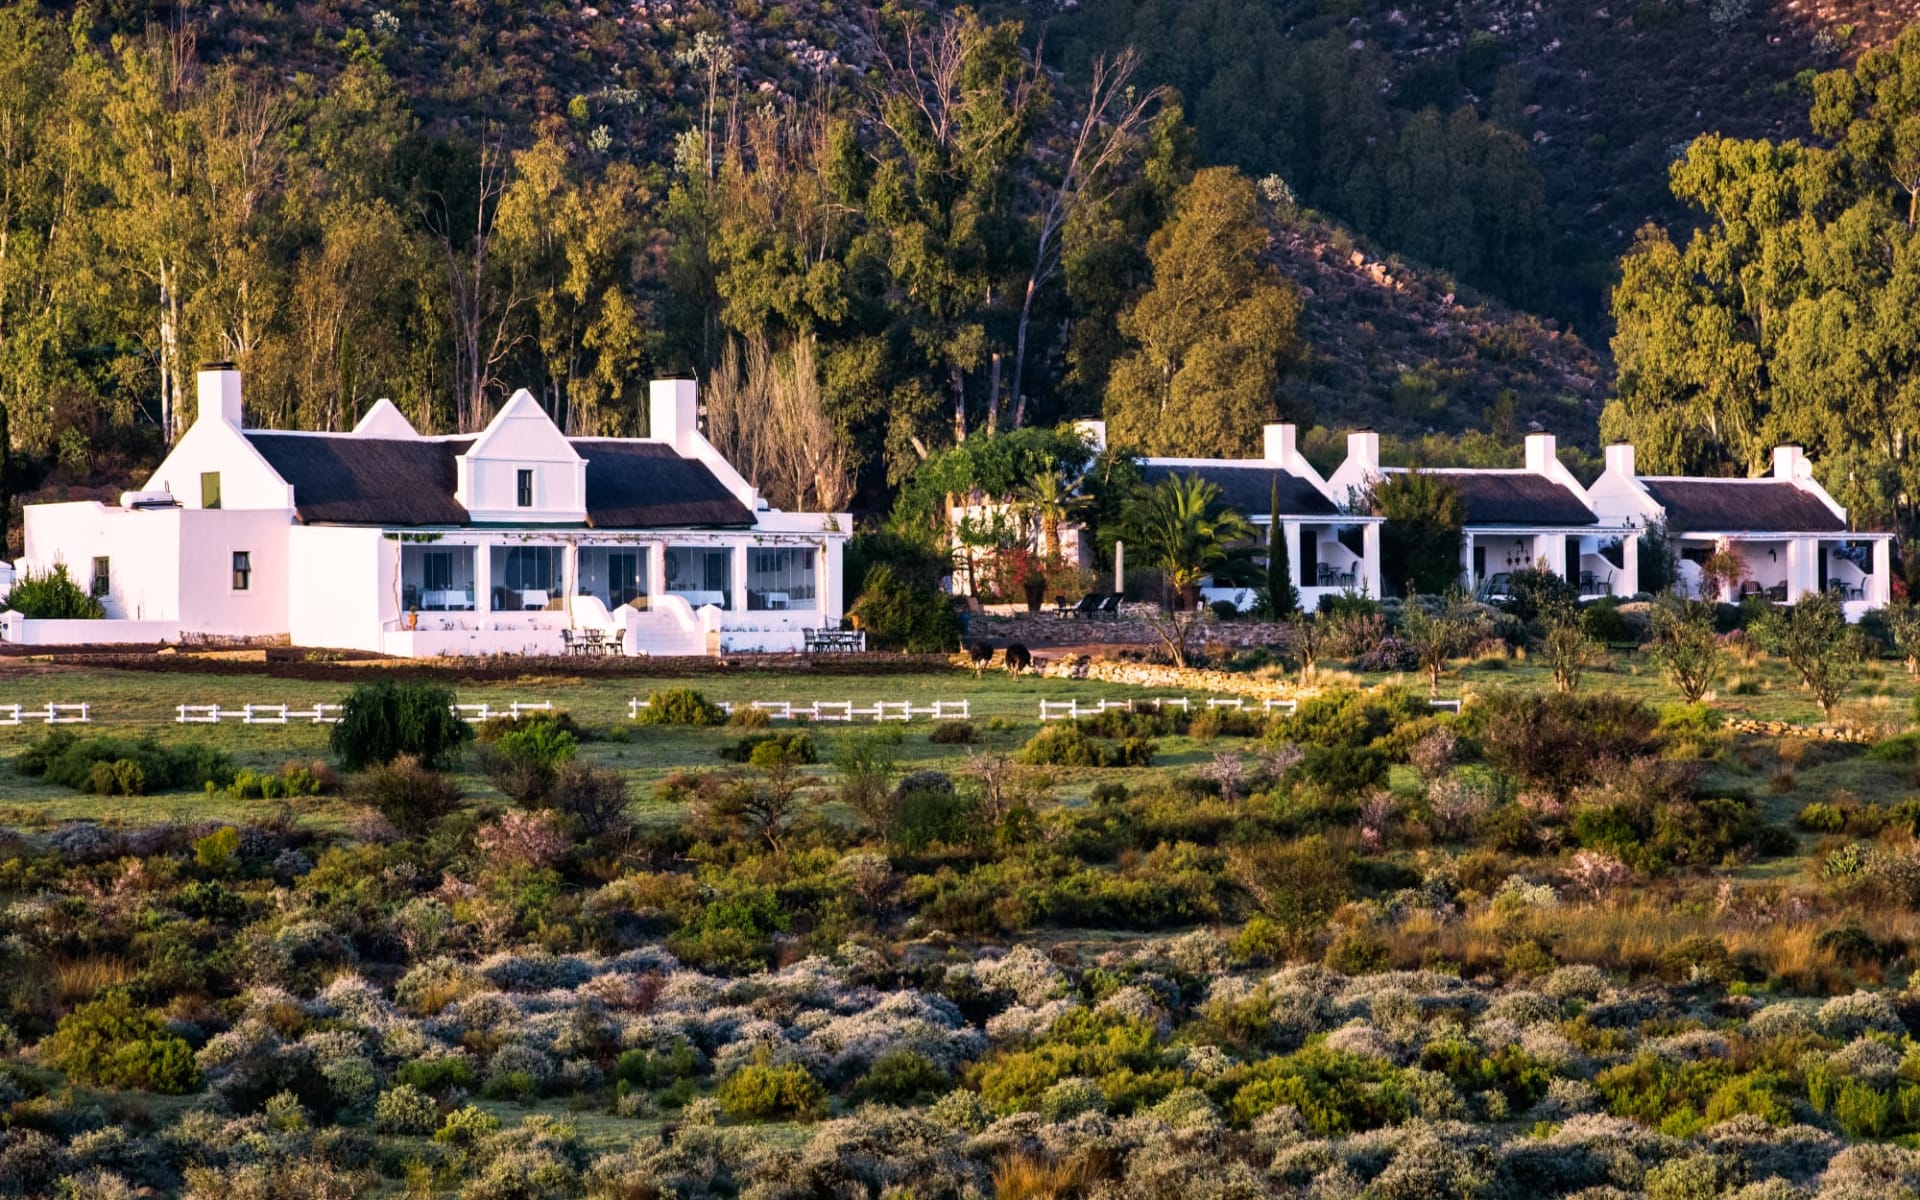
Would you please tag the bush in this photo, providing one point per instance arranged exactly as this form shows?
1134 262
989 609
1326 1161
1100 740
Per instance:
903 614
954 733
1819 817
406 1111
524 762
594 800
465 1126
381 721
762 1093
902 1076
1532 592
928 812
406 793
680 706
494 728
112 1043
290 781
1557 740
795 744
52 596
444 1073
1344 771
1604 622
108 766
1069 745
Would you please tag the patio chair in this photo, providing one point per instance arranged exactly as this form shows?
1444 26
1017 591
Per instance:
567 644
1085 608
1108 607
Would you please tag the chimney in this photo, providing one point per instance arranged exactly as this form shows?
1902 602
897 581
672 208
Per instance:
1790 464
219 393
1363 451
1620 459
1540 448
1095 433
1281 444
673 413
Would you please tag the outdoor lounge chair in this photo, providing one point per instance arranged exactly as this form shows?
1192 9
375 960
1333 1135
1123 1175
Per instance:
1108 607
1086 606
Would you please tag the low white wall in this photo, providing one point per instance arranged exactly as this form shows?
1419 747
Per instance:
22 631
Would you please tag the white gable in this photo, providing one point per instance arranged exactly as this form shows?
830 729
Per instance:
383 420
522 468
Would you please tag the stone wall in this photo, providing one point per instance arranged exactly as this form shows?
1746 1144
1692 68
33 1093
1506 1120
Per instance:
1129 627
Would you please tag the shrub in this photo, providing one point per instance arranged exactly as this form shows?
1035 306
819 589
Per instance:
593 800
406 793
1344 771
216 852
680 706
902 1076
109 766
796 744
405 1110
52 596
443 1073
465 1126
954 733
1532 593
494 728
899 613
1070 745
383 720
290 781
1604 622
1558 741
523 763
927 811
1820 817
762 1093
112 1043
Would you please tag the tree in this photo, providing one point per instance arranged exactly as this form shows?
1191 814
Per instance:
1569 648
1818 643
1903 622
1183 529
1213 334
383 720
1420 540
1686 647
1439 633
769 416
1283 599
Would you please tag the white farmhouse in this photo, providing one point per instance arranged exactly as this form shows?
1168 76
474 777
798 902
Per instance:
1789 534
517 539
1536 516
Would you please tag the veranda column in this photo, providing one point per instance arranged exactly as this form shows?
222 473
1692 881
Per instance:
1629 582
739 578
1879 588
483 578
1370 557
1466 563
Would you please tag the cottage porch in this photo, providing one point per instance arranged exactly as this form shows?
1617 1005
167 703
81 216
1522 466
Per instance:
1596 561
1783 569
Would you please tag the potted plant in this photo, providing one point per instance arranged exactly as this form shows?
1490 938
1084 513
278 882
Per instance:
1020 572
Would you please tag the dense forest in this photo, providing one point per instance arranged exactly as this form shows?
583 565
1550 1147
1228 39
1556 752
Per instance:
897 227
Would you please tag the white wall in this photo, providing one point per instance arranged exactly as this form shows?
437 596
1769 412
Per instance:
141 548
340 586
246 481
522 437
208 601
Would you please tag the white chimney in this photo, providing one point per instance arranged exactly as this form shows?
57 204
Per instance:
1095 433
1281 444
1790 463
1540 452
1620 459
1363 451
219 394
673 413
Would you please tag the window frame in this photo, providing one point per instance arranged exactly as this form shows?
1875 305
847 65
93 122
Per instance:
523 487
242 571
102 583
209 489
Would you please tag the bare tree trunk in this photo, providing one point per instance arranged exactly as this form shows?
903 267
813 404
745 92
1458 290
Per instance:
993 397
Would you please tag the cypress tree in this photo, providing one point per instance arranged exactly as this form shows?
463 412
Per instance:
1281 596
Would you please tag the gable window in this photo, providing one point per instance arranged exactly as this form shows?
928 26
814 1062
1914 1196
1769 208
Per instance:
209 489
242 569
102 582
526 489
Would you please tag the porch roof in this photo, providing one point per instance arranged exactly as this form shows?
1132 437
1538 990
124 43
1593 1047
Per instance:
1511 499
1249 488
1740 506
358 480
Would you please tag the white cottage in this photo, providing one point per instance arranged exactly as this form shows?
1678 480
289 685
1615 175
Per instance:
1536 516
517 539
1790 535
1331 548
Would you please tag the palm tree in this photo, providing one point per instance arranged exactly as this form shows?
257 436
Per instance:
1050 501
1184 530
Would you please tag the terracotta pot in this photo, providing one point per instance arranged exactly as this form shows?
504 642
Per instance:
1036 595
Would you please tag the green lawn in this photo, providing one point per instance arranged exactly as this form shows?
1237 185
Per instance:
1005 707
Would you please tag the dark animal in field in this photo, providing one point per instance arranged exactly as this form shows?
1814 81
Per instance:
981 654
1019 658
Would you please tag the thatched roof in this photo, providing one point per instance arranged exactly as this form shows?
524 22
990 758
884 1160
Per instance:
343 479
1249 490
1741 506
646 485
1517 498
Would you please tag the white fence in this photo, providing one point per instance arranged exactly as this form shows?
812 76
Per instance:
841 710
1068 710
51 714
324 714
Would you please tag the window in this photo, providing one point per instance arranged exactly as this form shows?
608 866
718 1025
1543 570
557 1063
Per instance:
209 489
533 569
101 582
780 579
526 489
436 570
704 575
242 570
